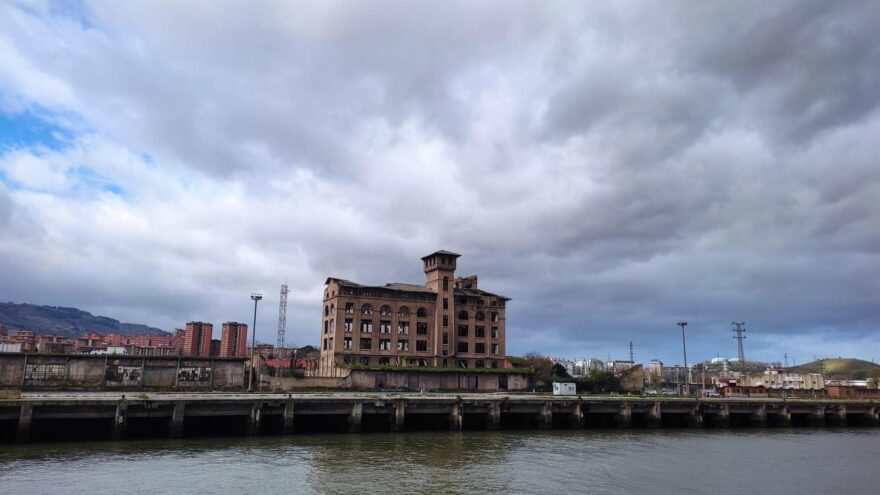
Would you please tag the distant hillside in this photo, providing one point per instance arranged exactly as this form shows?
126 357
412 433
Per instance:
68 322
852 369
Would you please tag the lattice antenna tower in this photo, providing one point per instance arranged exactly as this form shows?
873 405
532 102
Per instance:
282 323
738 331
632 358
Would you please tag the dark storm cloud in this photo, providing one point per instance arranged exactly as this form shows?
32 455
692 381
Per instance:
612 167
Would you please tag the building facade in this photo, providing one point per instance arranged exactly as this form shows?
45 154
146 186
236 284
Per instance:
233 340
197 339
446 323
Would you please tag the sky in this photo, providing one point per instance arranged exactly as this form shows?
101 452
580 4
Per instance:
612 167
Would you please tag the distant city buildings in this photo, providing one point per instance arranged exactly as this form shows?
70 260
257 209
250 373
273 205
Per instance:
195 340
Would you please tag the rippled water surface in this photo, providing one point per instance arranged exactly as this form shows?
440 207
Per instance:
601 462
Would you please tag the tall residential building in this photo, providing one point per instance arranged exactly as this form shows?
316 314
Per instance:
446 323
233 341
197 339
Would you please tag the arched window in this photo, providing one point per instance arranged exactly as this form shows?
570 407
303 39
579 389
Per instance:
445 284
403 312
326 310
422 313
385 310
332 309
479 316
367 309
462 315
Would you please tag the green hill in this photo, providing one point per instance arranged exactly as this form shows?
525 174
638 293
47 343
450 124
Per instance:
844 368
66 322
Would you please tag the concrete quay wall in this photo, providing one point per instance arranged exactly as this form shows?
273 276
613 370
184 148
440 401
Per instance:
177 415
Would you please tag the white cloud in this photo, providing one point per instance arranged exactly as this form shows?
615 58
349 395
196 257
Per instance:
611 167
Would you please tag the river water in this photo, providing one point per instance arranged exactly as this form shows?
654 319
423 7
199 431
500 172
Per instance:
777 461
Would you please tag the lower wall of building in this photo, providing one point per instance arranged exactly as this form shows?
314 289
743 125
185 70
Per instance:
414 380
307 382
89 372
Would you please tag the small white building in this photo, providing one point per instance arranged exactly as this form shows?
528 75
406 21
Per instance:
10 347
564 388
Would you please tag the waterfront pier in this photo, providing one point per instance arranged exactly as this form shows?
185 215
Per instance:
106 416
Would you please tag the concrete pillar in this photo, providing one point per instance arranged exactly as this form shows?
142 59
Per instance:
545 417
354 420
655 420
24 422
398 423
177 419
24 370
120 419
817 417
695 417
456 418
836 416
493 419
871 418
758 418
722 419
577 417
287 418
624 416
255 419
785 417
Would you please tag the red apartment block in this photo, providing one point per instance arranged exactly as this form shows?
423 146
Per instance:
233 342
197 339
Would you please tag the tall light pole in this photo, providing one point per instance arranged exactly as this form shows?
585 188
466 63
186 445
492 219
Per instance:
256 298
684 388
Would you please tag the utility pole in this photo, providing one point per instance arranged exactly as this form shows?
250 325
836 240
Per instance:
684 388
738 331
279 347
256 298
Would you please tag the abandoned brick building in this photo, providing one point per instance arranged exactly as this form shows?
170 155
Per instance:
446 323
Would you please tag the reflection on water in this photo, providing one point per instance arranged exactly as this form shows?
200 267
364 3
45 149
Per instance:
601 462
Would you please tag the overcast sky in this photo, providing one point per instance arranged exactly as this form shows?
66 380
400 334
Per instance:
613 167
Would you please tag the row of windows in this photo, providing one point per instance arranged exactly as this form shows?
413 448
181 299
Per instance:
367 309
385 361
479 348
385 310
479 302
384 344
403 345
463 363
479 331
403 328
390 294
384 327
479 316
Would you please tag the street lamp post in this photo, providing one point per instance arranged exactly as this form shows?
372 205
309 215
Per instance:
256 298
685 387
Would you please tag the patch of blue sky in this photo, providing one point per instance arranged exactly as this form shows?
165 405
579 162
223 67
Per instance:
31 130
73 9
91 180
76 10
